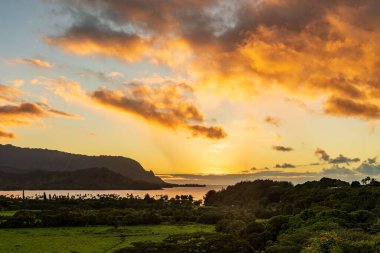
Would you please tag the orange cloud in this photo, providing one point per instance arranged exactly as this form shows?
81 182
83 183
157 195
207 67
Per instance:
311 48
67 89
165 105
94 41
18 82
6 135
212 132
24 113
15 112
34 62
22 109
8 93
350 107
163 102
273 121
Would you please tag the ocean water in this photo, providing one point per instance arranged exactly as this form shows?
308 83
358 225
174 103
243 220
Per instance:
197 192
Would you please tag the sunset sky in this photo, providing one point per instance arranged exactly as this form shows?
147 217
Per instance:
284 88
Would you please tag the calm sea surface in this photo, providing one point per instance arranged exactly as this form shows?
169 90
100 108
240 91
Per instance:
197 192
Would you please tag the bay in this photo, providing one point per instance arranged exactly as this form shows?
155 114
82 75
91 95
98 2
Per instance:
197 192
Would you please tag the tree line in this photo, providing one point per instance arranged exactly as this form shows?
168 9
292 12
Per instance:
328 215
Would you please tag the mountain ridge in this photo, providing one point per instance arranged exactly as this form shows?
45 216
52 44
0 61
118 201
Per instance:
18 159
83 179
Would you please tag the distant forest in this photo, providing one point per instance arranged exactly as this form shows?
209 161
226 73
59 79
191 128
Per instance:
329 215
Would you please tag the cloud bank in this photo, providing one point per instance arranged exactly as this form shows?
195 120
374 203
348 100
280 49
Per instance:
322 155
363 170
311 48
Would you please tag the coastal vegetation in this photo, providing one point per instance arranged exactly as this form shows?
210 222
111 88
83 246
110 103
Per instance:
261 216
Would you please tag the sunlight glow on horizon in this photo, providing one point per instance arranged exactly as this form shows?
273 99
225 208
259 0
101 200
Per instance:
194 87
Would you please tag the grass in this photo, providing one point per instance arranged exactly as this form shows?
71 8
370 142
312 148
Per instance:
7 213
12 212
88 239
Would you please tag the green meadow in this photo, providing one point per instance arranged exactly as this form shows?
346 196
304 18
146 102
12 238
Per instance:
8 213
88 239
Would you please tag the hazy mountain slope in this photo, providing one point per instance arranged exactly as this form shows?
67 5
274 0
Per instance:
52 160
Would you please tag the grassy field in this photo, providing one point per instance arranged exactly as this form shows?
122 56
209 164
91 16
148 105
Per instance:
7 213
87 239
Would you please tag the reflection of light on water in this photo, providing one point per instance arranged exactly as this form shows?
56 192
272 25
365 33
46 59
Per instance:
171 177
212 172
197 192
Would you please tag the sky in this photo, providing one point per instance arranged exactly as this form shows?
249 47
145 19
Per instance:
254 88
